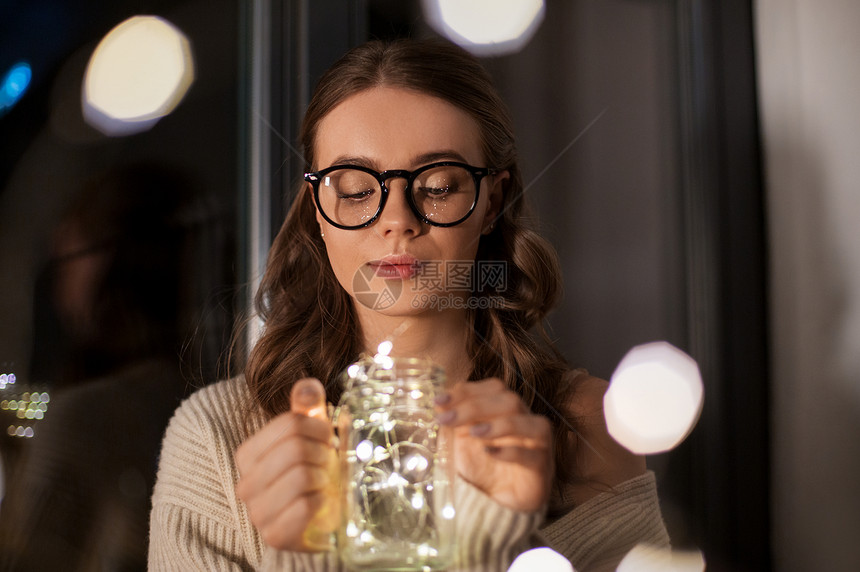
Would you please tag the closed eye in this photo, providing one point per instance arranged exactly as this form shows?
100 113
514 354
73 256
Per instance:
437 191
356 196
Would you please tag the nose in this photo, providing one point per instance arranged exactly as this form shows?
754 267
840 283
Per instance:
397 218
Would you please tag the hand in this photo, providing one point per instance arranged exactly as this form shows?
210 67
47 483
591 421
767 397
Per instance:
288 474
499 445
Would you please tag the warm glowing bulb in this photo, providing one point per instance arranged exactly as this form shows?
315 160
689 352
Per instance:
417 501
383 361
544 559
645 558
380 453
486 27
384 348
364 450
351 529
138 73
654 398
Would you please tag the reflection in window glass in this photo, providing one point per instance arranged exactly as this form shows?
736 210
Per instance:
117 280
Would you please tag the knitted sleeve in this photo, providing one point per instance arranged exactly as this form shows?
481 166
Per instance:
598 533
489 535
195 524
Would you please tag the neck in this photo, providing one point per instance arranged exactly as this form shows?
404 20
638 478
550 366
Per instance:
441 337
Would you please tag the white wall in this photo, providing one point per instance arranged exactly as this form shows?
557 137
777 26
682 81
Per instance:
809 80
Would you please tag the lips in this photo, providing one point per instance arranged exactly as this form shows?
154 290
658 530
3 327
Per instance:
396 266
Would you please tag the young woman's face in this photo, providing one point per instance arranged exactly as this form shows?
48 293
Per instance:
400 265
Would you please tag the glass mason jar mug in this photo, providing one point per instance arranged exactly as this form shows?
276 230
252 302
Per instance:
396 468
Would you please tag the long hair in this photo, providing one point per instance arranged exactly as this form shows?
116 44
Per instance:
311 328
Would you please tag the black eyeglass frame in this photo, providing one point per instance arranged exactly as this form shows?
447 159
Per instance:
478 174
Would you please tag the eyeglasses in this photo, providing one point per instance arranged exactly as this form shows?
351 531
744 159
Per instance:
441 194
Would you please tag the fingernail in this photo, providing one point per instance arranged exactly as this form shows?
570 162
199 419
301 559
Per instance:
446 417
442 398
306 394
480 429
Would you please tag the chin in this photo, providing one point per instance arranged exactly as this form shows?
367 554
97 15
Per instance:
406 303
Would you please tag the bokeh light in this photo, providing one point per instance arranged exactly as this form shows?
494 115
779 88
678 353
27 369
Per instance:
14 85
138 73
542 559
654 398
7 379
486 27
385 348
645 558
23 409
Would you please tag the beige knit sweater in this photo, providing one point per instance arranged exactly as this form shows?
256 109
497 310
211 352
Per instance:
198 522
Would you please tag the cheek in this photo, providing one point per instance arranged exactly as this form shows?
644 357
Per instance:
463 244
343 259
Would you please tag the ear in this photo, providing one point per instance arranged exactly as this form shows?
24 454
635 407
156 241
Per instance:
495 200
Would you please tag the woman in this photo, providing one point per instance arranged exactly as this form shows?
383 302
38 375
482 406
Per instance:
413 173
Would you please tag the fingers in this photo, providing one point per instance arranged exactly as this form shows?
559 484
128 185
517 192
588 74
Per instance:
281 429
308 398
286 528
284 488
486 399
307 419
288 489
287 453
286 469
490 411
290 448
527 430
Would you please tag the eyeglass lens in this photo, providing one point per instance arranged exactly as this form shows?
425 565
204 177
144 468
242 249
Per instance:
442 194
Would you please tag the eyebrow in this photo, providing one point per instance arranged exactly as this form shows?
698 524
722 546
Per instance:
420 160
445 155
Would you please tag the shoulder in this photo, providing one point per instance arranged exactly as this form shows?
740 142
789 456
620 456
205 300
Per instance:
200 442
586 395
222 412
600 462
194 505
216 398
583 401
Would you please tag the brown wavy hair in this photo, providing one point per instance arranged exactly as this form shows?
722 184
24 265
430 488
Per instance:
311 329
